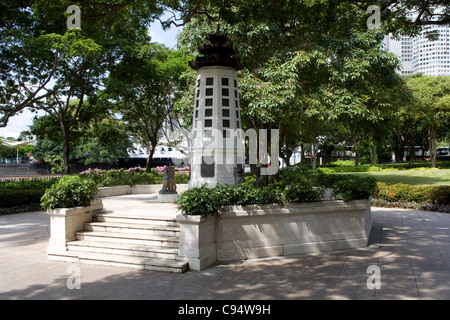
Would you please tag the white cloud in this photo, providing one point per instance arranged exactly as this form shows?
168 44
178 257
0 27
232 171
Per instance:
18 123
166 37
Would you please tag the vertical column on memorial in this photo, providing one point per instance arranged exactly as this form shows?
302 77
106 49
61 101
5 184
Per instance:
216 150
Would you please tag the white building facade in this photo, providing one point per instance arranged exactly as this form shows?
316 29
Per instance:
421 55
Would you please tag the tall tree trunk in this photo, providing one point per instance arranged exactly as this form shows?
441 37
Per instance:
411 143
432 136
398 145
411 152
66 146
356 153
370 150
375 152
313 156
148 164
302 156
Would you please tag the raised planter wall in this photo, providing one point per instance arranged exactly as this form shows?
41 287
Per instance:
270 231
66 222
139 189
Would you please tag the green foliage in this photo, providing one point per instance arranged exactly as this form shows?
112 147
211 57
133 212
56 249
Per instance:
121 177
69 192
24 192
181 178
6 151
207 201
401 192
303 193
12 198
363 168
129 177
440 195
56 163
201 201
353 188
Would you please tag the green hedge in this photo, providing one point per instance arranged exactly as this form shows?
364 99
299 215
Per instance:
207 201
24 192
130 177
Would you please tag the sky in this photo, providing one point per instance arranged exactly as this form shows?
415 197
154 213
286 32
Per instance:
21 122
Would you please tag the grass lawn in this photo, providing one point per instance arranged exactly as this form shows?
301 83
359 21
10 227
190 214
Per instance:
401 173
411 177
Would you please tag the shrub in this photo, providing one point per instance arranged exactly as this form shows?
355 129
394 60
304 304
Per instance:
303 193
132 176
24 192
180 178
202 201
11 197
69 192
404 192
440 195
207 201
354 188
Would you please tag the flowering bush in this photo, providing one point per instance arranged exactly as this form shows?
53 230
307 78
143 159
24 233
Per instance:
407 193
160 169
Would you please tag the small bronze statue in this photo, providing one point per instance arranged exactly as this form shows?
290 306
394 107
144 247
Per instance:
168 179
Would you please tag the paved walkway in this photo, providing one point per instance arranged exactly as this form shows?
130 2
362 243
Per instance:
410 248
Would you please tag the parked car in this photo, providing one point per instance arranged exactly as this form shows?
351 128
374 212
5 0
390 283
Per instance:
417 151
443 153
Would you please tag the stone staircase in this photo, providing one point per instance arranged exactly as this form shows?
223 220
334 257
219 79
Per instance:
115 239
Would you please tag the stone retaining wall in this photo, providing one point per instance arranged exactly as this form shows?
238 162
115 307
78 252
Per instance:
270 231
139 189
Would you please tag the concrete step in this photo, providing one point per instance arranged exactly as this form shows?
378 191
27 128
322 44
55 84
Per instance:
158 230
123 249
129 238
115 217
167 265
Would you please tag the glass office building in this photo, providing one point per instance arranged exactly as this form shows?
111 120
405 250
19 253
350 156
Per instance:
421 55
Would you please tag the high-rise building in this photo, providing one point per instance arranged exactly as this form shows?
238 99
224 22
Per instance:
421 55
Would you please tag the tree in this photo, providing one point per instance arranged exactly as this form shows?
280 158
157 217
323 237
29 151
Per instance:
324 65
102 140
432 98
5 151
144 87
45 66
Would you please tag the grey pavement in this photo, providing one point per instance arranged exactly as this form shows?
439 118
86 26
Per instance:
410 248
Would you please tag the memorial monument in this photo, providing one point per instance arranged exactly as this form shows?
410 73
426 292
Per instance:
216 152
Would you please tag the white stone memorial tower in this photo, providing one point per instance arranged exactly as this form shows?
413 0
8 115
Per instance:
217 154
